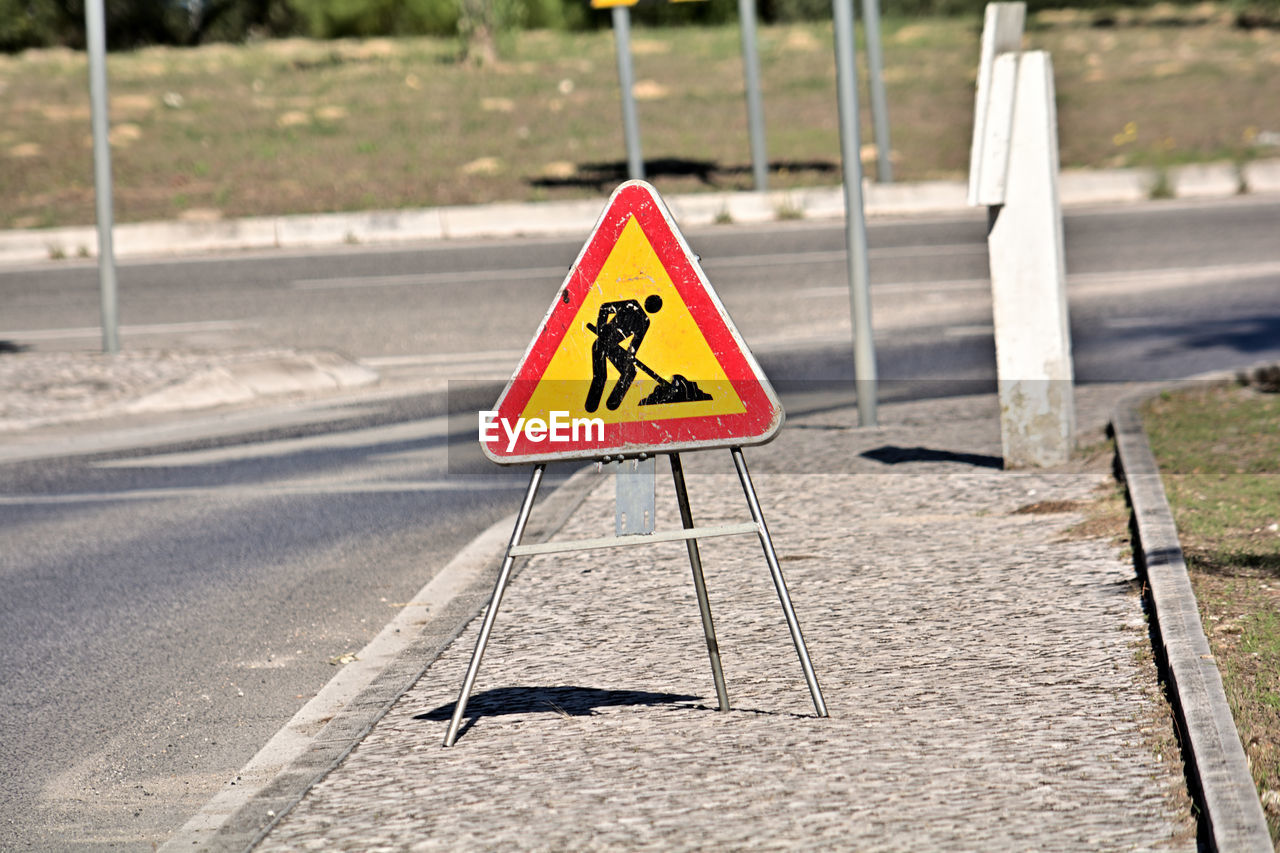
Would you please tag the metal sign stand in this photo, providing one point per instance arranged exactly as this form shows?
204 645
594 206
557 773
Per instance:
688 533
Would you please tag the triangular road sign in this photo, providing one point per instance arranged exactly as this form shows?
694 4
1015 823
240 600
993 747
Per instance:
636 354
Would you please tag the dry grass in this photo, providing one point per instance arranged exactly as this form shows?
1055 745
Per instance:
300 126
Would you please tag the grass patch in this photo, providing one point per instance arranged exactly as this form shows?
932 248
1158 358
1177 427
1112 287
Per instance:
299 126
1219 454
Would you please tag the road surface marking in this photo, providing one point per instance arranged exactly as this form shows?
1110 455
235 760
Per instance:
977 330
1138 281
1155 278
269 490
1134 322
150 329
497 275
420 279
1088 284
442 359
436 427
777 259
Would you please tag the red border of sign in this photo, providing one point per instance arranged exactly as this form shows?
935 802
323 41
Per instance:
763 414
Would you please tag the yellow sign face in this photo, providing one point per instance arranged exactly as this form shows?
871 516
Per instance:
608 4
636 354
672 344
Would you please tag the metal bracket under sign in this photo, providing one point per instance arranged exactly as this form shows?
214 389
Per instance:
634 509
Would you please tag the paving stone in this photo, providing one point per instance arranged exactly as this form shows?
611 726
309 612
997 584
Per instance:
979 665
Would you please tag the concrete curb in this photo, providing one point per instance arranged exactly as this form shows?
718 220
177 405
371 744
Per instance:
51 393
1076 187
302 753
1212 751
292 373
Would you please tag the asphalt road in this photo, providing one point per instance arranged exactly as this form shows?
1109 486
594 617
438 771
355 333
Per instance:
166 609
1141 272
165 614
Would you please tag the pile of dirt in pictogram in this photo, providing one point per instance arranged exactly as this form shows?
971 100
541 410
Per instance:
678 390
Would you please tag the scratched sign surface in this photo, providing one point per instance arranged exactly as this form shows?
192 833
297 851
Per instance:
638 344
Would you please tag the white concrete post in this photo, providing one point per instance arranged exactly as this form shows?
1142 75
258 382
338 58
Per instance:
1014 171
993 111
1028 280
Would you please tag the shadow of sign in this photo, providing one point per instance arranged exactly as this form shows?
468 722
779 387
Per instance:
1251 335
566 700
600 176
891 455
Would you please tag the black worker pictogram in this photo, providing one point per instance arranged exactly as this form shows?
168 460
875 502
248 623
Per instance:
620 328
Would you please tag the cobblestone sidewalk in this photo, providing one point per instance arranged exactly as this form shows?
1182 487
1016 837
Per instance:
982 667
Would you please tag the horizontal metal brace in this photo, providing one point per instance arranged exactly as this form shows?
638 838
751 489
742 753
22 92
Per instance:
642 539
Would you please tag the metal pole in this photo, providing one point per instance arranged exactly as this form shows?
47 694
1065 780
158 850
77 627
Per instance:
879 104
486 626
864 356
755 104
779 583
626 79
699 584
95 31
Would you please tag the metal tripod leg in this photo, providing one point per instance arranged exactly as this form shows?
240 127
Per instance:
779 583
460 707
699 584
